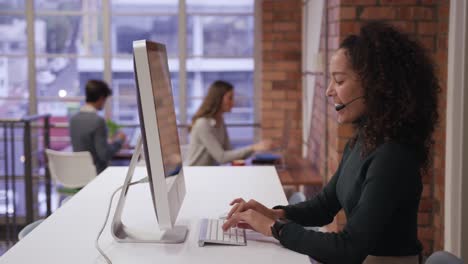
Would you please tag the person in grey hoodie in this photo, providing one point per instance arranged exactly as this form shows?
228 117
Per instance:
88 130
209 141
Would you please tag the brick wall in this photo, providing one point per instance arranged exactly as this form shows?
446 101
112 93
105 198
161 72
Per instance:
428 22
281 89
440 38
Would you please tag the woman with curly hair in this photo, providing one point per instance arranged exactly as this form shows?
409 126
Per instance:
384 83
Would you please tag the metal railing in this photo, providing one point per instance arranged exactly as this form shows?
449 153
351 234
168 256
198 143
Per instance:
23 172
182 128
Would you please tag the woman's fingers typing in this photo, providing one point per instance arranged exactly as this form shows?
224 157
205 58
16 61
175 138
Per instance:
250 219
234 209
237 200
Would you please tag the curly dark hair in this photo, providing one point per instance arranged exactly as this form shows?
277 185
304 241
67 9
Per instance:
400 89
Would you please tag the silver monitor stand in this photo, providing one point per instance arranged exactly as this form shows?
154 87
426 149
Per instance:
123 233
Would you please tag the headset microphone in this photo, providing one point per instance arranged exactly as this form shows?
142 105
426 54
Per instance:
339 107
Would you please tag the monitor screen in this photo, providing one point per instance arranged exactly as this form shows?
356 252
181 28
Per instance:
165 110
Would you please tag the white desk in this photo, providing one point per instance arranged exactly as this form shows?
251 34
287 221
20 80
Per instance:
68 235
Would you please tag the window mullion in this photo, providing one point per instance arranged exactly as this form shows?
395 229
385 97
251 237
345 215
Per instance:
31 57
257 66
182 60
107 51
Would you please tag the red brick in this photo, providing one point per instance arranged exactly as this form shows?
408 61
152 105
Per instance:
281 16
287 46
267 5
348 27
424 219
347 13
286 5
358 2
267 27
293 94
268 46
270 133
443 11
282 66
274 76
405 26
427 247
267 17
437 221
426 205
427 190
443 28
278 36
267 85
428 43
267 36
286 26
442 43
429 2
267 105
291 105
414 13
427 28
378 13
285 85
288 36
272 114
425 233
398 2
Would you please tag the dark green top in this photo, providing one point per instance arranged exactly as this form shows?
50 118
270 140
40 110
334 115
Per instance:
380 196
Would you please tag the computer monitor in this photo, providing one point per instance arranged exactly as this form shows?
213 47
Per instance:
160 143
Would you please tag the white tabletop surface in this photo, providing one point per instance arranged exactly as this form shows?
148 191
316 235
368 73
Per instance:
68 235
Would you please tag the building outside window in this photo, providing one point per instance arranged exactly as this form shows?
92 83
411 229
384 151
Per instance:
92 39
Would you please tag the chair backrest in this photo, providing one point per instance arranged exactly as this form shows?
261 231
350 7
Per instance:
71 169
443 257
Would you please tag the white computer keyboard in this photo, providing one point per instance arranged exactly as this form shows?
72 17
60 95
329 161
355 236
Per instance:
211 232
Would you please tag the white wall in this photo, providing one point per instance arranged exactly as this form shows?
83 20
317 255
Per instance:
456 167
311 61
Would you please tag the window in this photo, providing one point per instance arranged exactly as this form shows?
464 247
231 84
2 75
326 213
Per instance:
14 90
220 46
68 45
73 43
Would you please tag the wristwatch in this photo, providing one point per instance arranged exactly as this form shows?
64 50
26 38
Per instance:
277 226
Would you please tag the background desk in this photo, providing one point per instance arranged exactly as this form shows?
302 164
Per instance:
68 235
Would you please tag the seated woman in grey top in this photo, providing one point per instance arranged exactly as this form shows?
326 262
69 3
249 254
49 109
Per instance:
209 140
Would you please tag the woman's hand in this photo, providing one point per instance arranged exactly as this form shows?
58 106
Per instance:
240 205
263 145
252 219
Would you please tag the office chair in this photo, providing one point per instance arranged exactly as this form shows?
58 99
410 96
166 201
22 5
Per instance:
443 257
72 170
27 229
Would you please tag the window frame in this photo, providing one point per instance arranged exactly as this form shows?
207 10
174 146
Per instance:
106 15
